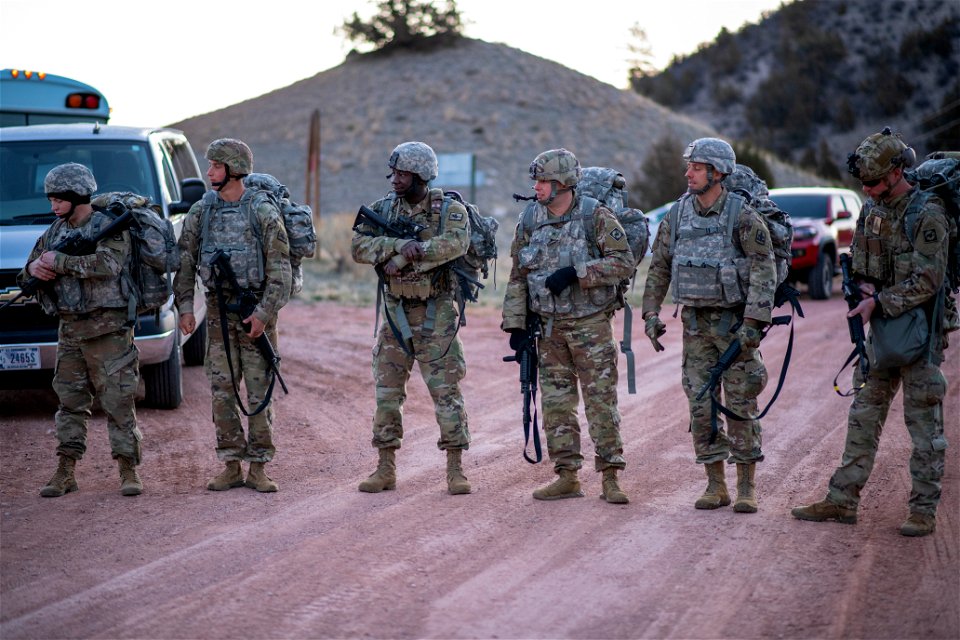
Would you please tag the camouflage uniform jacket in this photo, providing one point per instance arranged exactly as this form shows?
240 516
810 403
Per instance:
537 253
85 283
274 289
751 240
907 273
421 279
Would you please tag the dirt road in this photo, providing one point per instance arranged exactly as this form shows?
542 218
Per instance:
320 559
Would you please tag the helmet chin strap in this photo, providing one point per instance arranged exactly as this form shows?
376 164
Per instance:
707 187
219 185
554 192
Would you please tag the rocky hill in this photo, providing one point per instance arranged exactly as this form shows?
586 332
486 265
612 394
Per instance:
497 102
813 78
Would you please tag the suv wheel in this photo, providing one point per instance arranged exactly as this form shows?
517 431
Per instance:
162 382
820 279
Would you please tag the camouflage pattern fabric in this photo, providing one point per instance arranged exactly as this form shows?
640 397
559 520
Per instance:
249 368
277 277
753 240
706 336
391 365
556 164
581 351
233 153
713 151
908 274
923 389
577 349
70 177
88 282
538 253
442 366
96 353
879 154
249 364
415 157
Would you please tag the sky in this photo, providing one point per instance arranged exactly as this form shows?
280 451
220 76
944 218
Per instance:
161 61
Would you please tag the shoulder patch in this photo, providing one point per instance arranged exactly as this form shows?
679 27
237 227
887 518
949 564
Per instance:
930 235
456 215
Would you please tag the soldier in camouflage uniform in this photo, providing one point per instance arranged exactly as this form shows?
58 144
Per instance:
261 259
95 350
573 288
421 312
896 271
716 251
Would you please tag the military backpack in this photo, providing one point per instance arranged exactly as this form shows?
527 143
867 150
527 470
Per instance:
154 255
297 220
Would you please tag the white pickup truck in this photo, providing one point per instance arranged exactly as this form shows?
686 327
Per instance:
157 163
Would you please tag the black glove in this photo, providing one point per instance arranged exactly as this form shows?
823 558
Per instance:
561 279
518 337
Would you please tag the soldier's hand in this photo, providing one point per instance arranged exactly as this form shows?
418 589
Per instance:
412 251
655 328
749 334
41 271
518 339
561 279
188 323
256 326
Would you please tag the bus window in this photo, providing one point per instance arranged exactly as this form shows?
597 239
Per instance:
30 97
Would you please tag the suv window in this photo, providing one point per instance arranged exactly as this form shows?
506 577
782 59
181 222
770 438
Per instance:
184 162
24 165
853 205
802 205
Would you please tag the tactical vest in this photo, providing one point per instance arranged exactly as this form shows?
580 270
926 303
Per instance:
557 242
410 282
83 295
883 248
708 269
229 226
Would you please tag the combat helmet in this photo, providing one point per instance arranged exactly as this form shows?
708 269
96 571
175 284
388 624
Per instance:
415 157
232 153
713 151
879 154
557 165
72 182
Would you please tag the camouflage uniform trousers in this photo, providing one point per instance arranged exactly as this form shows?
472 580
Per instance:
439 354
923 389
249 367
107 364
706 335
581 351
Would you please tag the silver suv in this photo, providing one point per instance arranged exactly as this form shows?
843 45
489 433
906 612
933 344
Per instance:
157 163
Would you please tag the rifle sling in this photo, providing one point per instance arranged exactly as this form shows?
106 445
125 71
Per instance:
716 405
225 330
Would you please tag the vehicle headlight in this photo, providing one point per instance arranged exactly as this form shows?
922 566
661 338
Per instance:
804 232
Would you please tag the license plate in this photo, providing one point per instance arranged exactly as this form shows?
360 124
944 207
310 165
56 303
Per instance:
12 358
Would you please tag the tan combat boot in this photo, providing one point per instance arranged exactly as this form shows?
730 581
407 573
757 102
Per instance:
746 489
385 477
825 510
62 481
230 478
566 486
457 483
258 479
611 490
919 524
130 484
716 495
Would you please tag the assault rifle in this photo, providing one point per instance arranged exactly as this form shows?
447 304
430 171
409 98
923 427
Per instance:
851 293
527 358
402 227
405 228
76 245
245 305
